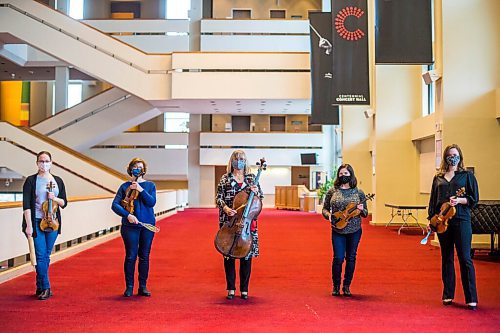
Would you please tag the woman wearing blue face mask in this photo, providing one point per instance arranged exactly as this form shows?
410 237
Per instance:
457 186
344 241
35 193
237 179
137 239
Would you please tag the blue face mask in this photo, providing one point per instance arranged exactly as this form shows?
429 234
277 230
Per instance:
452 160
239 164
136 172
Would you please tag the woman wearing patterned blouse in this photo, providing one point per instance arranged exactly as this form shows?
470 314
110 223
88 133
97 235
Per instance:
237 179
344 241
457 186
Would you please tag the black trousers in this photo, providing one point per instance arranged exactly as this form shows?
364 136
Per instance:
458 235
245 270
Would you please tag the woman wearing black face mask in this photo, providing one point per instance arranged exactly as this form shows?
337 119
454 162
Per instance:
136 238
237 178
457 186
344 241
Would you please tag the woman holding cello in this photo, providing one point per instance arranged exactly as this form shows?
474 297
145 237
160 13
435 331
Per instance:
453 186
43 195
134 202
238 178
345 241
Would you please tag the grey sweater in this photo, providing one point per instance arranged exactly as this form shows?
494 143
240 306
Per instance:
337 199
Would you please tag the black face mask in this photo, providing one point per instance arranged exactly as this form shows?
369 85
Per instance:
345 179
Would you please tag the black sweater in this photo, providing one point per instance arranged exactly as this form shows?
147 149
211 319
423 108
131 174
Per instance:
442 190
29 200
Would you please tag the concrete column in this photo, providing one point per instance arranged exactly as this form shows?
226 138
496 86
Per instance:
195 16
326 5
61 88
194 174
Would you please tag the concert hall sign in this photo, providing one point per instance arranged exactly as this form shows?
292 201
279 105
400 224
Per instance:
351 80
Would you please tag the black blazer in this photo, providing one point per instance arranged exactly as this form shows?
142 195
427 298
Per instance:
29 200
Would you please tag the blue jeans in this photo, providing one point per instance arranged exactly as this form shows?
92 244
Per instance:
137 242
44 242
345 246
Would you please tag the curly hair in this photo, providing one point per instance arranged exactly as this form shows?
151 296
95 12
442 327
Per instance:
133 162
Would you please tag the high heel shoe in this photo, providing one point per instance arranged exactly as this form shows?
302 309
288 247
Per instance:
472 306
230 294
346 291
128 292
143 291
336 291
447 301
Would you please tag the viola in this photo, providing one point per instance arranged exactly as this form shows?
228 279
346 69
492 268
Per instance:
440 220
130 195
49 221
342 218
233 239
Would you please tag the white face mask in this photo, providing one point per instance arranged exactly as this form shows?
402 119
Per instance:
44 166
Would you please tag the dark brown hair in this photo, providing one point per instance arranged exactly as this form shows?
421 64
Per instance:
43 152
443 168
353 183
133 162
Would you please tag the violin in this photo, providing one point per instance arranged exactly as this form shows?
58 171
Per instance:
49 207
342 218
440 220
130 195
233 240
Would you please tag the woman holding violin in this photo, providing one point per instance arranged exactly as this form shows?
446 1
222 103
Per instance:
238 178
134 202
345 241
43 195
454 187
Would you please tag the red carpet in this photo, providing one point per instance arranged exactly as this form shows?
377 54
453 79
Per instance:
396 287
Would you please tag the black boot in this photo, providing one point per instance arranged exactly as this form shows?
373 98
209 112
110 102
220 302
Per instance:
336 291
128 292
45 294
346 291
143 291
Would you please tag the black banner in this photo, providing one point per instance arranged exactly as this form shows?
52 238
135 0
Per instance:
351 80
322 110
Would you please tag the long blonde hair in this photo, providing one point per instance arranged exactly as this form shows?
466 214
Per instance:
236 155
443 168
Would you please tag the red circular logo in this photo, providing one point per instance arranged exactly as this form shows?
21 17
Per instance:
342 15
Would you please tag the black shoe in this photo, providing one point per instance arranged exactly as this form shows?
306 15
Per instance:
143 291
472 307
230 295
128 292
45 294
244 296
346 291
38 292
336 291
447 302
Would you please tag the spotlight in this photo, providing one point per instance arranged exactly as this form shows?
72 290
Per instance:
369 113
431 76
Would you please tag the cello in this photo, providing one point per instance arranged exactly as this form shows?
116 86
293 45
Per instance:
49 221
233 239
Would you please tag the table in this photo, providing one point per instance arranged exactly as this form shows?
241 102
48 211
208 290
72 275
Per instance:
405 211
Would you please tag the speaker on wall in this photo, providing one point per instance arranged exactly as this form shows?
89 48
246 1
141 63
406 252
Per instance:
403 32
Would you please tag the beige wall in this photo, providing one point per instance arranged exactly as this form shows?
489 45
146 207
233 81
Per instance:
471 75
260 8
38 102
296 123
219 122
262 122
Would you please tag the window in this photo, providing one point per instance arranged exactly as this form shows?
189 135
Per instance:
74 93
76 9
178 9
428 94
277 14
176 122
